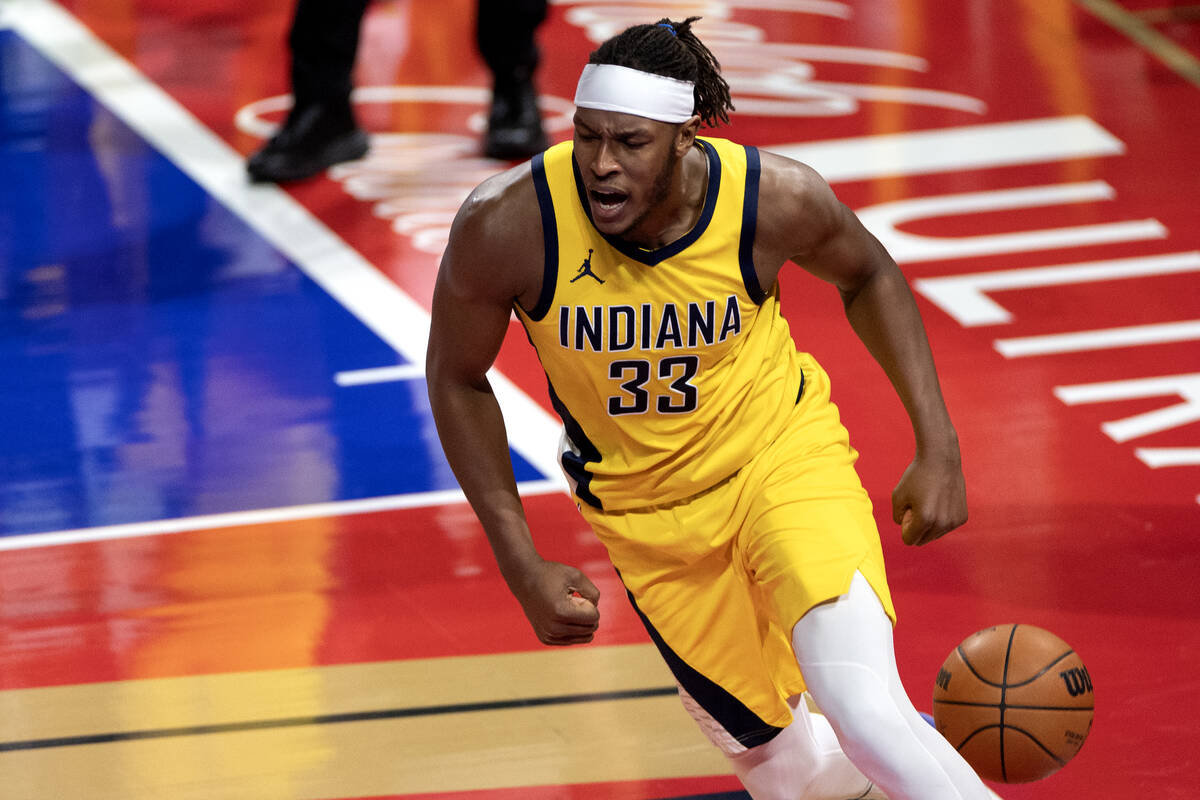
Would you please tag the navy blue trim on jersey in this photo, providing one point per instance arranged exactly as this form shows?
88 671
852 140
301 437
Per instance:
576 465
749 222
549 239
653 257
741 723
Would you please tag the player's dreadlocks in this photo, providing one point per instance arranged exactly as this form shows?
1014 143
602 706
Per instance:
671 49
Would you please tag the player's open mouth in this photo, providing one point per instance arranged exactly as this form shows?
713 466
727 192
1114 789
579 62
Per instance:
607 205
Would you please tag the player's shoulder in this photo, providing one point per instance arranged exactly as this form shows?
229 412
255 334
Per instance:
500 212
795 202
784 179
495 244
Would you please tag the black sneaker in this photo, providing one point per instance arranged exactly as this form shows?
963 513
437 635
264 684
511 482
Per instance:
312 139
514 131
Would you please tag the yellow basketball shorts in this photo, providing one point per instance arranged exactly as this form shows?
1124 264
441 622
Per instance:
721 578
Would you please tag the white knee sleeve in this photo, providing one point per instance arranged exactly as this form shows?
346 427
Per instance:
844 650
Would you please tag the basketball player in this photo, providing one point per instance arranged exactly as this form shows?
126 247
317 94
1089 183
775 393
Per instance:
700 446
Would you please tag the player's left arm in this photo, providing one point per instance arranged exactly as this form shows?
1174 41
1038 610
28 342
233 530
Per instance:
823 236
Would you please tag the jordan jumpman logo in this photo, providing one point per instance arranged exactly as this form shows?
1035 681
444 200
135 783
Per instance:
586 269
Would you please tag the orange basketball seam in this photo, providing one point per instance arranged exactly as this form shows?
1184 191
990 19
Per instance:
967 662
1017 706
1036 741
975 733
1045 669
1012 634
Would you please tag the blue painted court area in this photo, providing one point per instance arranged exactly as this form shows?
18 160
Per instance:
157 358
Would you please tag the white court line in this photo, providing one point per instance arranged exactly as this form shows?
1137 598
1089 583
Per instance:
361 377
324 257
237 519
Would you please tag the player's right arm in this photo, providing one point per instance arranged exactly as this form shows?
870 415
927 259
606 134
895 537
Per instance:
493 258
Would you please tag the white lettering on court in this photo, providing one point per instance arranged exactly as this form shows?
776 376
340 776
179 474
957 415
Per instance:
1186 387
986 146
1156 457
884 220
775 78
964 297
1102 339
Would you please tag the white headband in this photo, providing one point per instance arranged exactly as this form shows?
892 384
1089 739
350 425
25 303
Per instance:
608 87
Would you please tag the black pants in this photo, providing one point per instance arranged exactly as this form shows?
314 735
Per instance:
324 43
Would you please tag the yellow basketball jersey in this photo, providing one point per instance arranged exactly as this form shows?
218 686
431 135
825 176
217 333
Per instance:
670 368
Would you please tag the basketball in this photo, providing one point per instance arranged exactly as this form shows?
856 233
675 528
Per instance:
1016 701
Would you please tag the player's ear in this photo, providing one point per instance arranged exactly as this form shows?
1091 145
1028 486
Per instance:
685 137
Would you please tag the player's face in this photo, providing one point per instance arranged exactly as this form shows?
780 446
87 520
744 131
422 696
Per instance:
628 164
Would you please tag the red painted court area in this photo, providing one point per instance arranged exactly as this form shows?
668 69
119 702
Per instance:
1030 165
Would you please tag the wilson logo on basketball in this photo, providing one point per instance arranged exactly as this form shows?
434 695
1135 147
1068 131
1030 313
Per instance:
943 678
1077 680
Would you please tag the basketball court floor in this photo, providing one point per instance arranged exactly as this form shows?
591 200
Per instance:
233 562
